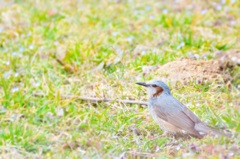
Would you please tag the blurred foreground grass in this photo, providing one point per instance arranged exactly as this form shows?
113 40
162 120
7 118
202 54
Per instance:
96 42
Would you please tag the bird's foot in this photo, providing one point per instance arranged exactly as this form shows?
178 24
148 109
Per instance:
165 134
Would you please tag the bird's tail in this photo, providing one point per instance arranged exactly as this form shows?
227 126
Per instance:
207 130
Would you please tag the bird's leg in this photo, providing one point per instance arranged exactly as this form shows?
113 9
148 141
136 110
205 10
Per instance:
164 134
181 136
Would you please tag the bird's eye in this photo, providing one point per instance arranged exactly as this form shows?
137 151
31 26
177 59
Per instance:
154 85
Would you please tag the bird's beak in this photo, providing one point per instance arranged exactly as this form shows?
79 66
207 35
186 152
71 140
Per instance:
142 84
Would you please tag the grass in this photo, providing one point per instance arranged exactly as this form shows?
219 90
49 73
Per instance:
96 42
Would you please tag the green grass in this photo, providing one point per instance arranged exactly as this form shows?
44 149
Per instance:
96 41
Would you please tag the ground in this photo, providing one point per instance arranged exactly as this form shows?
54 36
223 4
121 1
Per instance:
101 49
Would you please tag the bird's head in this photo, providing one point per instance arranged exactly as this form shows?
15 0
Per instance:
155 88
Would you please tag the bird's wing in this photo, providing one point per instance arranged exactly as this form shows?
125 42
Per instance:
175 113
199 126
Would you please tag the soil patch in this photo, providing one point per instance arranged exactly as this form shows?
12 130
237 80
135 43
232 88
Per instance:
199 71
187 70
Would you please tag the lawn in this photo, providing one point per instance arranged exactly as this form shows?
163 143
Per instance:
51 50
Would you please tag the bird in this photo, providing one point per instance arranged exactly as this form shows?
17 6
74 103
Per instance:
171 115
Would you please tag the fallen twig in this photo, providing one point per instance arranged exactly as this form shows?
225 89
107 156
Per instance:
136 154
96 100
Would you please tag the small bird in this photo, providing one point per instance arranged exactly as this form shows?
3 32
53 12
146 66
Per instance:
171 115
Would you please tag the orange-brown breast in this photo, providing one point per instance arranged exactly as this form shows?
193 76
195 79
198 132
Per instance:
159 91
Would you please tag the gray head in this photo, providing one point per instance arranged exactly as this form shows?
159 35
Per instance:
155 88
